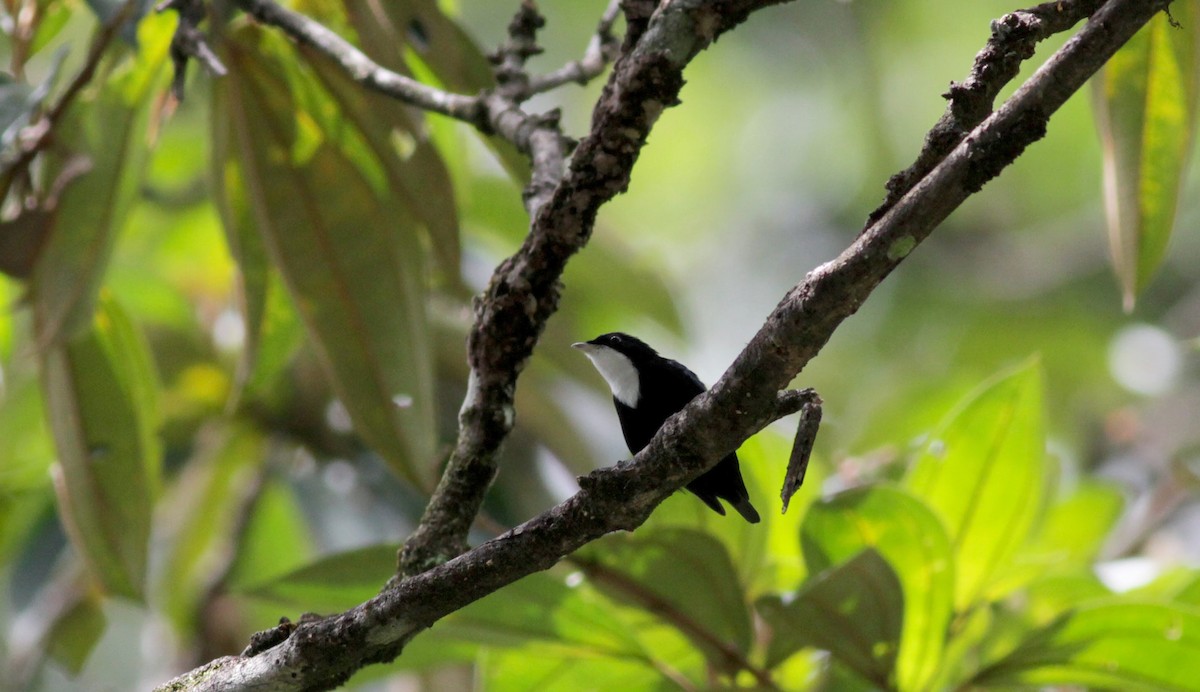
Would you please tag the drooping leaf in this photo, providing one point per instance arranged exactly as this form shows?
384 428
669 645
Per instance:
446 55
854 611
280 337
1115 645
685 577
984 473
100 391
75 633
106 138
415 172
1145 106
203 515
349 256
231 196
909 536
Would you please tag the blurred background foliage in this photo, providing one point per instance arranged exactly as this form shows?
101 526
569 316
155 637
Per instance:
232 353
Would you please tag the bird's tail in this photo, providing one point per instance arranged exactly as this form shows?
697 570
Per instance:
744 508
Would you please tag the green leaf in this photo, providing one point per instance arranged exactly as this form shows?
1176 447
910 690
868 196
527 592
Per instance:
26 454
541 607
683 576
1116 645
350 258
1065 540
984 473
276 540
565 622
1049 597
54 17
1145 107
104 137
25 449
914 543
417 176
20 512
75 633
231 195
766 555
100 392
540 668
333 583
445 56
854 611
202 515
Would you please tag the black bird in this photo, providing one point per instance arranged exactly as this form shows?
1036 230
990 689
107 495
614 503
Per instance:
647 390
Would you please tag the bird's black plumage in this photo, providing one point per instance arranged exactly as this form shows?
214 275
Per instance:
661 388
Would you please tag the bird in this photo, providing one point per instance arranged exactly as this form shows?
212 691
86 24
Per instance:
648 389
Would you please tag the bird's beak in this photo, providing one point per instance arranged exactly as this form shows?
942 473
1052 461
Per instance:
582 345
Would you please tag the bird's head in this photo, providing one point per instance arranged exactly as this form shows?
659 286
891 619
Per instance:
617 356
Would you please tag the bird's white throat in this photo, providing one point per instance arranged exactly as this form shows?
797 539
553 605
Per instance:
618 371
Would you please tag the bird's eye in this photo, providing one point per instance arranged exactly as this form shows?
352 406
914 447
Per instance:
615 339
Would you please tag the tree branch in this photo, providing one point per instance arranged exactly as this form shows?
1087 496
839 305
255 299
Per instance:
325 652
1013 40
525 288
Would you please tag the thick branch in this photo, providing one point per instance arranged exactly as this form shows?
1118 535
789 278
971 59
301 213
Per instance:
325 652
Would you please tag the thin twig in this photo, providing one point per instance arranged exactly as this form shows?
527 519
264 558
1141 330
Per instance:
362 69
601 51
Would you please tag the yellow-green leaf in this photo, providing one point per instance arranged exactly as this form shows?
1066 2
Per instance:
100 392
914 543
984 473
854 611
676 572
1114 645
1145 106
25 457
